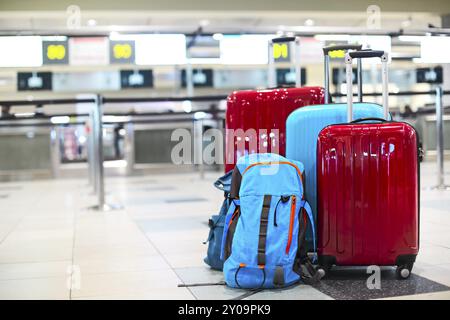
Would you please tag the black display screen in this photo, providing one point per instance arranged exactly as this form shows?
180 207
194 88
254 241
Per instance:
34 81
201 78
338 76
286 77
136 79
429 75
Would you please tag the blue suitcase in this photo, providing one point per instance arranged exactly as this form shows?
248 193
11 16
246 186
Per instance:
304 124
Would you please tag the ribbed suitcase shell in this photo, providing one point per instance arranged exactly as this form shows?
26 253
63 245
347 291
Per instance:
368 187
264 109
302 130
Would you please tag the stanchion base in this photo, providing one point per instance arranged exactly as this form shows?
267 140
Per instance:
442 187
106 207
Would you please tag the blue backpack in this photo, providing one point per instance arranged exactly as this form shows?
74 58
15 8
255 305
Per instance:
263 243
216 224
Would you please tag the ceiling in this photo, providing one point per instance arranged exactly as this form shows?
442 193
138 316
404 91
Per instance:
434 6
92 22
258 16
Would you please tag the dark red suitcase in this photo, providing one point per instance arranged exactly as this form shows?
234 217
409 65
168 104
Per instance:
265 109
368 190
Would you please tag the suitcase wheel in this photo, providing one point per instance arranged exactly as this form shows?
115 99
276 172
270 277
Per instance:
325 264
322 270
404 271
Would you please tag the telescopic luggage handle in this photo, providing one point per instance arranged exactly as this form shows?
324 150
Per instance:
345 47
283 39
296 44
363 54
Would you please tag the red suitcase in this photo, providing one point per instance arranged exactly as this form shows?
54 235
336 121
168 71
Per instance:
264 111
368 189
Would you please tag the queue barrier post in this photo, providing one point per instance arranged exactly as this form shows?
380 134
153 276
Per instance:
440 141
99 170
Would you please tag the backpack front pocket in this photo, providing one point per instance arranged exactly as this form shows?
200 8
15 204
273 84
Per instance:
282 230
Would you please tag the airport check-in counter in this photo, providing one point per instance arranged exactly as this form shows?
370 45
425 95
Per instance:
426 126
26 152
132 143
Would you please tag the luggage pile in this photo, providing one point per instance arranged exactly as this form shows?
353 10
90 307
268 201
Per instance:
341 188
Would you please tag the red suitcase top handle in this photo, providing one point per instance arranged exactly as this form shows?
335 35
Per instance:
366 54
369 119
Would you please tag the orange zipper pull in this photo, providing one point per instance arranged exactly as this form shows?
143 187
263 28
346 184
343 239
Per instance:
291 223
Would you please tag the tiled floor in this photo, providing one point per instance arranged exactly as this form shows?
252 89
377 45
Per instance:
53 247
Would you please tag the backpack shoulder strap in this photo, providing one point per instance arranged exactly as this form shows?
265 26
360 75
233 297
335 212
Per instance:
236 180
264 223
303 265
308 210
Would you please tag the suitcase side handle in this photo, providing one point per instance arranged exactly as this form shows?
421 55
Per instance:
369 119
349 78
294 45
345 47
